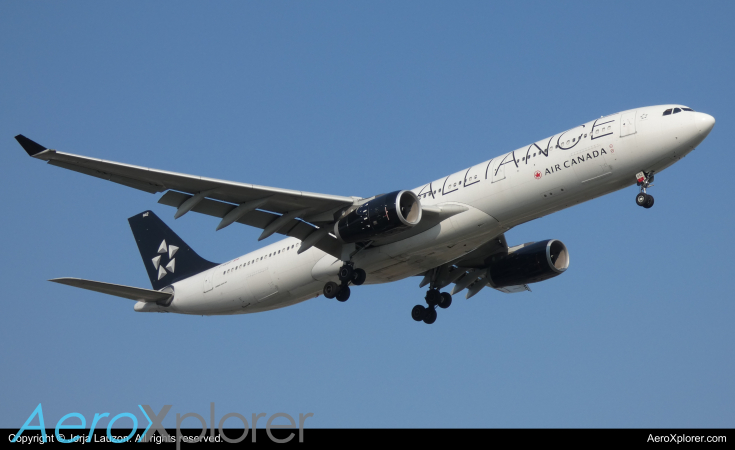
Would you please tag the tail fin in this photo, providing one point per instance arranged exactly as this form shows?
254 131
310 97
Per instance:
166 256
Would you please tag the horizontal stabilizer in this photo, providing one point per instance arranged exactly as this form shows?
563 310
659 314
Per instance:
32 148
133 293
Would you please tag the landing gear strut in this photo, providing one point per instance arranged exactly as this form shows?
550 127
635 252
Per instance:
347 274
433 299
645 180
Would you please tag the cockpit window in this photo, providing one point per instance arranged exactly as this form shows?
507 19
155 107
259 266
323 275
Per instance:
677 110
667 112
687 109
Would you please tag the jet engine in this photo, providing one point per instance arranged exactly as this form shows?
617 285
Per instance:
381 216
532 263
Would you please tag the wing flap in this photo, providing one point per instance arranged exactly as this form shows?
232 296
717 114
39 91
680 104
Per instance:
258 219
130 182
118 290
513 289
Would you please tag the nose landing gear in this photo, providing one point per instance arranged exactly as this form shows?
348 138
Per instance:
347 274
645 180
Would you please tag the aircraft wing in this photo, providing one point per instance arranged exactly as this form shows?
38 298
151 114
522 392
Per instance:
296 212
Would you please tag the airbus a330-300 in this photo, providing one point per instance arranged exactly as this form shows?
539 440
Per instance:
450 231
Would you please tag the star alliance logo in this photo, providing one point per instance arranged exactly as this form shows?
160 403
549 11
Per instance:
158 265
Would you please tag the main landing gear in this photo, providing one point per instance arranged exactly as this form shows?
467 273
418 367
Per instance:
645 180
347 274
433 299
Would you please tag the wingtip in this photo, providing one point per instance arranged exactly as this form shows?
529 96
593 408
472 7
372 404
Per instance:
62 280
31 147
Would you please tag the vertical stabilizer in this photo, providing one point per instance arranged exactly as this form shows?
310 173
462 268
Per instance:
167 258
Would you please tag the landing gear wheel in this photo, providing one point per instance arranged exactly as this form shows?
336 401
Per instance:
649 202
430 316
344 293
433 297
345 273
641 199
358 277
446 300
645 181
331 289
418 313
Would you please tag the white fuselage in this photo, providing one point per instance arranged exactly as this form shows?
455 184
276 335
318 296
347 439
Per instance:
572 167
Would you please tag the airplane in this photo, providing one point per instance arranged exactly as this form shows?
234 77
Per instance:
448 231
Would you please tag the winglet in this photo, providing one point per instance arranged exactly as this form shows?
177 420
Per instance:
32 148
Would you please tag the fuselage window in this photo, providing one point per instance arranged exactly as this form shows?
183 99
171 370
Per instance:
667 112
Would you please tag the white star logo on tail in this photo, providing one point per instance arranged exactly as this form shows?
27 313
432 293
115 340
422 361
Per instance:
162 250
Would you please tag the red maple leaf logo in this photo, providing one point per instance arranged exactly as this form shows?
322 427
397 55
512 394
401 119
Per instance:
537 175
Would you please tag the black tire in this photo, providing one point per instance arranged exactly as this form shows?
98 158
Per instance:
358 277
649 202
331 289
343 294
446 300
433 297
418 312
641 199
430 316
345 273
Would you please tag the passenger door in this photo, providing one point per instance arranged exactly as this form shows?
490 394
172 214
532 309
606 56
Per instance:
627 124
208 285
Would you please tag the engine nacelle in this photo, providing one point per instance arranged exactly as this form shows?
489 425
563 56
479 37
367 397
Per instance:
533 263
379 217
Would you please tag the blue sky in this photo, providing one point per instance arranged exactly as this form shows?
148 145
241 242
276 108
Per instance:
360 98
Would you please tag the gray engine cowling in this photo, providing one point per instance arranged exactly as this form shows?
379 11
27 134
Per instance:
381 216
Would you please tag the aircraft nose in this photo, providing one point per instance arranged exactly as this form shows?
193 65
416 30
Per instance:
705 122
